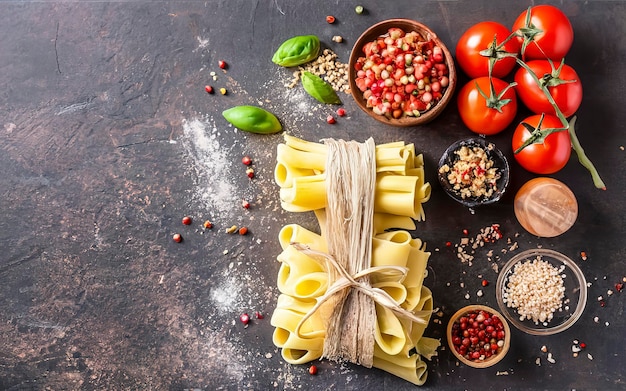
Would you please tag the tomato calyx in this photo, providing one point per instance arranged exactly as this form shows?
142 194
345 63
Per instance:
496 51
494 100
537 135
553 79
528 33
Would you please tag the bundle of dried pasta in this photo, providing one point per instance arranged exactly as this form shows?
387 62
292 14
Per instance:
354 292
400 185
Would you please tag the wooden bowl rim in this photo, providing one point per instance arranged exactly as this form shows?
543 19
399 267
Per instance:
491 360
381 28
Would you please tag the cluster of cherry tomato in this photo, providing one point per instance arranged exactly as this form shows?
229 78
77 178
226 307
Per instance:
537 44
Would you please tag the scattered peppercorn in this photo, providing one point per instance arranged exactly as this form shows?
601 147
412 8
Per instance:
244 318
583 255
177 238
258 315
250 172
246 160
619 287
245 204
330 19
313 370
223 91
582 345
222 64
359 9
465 232
341 112
208 225
208 89
330 119
243 230
484 283
448 243
187 220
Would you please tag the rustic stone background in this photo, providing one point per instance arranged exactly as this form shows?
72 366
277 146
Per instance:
107 139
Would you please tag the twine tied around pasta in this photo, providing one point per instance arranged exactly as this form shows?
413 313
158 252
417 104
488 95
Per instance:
347 281
350 181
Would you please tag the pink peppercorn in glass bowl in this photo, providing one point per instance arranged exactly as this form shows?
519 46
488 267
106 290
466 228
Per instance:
527 305
478 336
400 102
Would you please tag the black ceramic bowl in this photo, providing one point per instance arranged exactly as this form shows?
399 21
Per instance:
500 162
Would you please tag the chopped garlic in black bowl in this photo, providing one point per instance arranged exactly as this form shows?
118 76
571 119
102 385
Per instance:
473 172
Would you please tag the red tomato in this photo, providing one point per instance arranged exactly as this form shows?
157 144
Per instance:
480 37
482 115
554 33
568 95
547 157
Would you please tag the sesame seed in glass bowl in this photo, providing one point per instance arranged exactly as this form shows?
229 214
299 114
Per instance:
541 291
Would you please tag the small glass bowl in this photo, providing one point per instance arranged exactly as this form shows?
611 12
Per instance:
491 360
573 302
449 157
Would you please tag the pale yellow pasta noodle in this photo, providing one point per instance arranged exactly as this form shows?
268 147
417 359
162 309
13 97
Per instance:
414 280
389 335
295 349
306 193
427 347
391 248
396 195
415 330
406 366
300 159
305 286
394 157
285 174
295 233
300 276
289 318
386 221
396 290
416 263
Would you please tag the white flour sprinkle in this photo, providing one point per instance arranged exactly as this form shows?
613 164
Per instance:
225 296
215 189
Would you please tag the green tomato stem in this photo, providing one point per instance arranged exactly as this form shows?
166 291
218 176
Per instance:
569 126
582 157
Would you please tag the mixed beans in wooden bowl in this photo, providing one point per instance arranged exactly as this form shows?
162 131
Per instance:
401 73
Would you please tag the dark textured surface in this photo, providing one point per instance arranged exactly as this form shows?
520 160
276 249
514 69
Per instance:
107 139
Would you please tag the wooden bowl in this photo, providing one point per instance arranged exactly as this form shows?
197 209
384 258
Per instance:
479 363
407 25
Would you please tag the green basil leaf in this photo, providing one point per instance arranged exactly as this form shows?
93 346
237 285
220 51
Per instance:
253 119
297 51
319 89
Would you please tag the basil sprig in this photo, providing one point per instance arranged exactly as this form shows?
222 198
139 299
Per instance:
253 119
319 89
297 51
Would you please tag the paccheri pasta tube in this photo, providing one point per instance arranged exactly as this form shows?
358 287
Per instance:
354 292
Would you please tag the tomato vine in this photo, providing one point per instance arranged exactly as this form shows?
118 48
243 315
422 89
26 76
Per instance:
538 135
